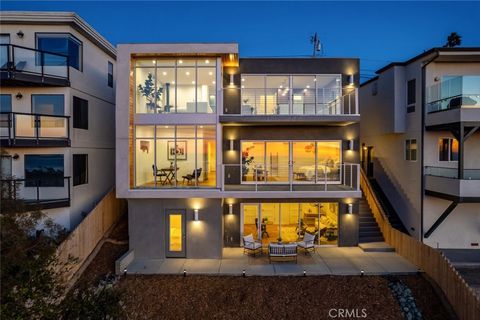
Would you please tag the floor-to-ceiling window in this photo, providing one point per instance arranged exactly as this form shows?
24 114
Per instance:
175 156
291 161
289 222
181 85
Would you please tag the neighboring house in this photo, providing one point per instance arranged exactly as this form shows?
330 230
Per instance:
57 112
211 147
421 143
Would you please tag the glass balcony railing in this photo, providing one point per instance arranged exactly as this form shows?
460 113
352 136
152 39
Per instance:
307 102
453 93
31 61
23 126
54 191
468 174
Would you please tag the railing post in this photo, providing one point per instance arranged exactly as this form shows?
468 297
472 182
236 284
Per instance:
325 176
358 177
14 127
256 179
37 127
351 175
42 63
223 177
38 190
290 171
68 183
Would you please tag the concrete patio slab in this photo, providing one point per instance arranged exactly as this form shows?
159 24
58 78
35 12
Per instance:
232 266
368 265
260 270
202 266
172 266
287 269
396 264
145 266
341 266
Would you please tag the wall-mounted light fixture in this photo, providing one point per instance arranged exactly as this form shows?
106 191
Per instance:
195 214
20 34
350 80
350 144
19 96
350 208
15 156
231 142
230 208
232 83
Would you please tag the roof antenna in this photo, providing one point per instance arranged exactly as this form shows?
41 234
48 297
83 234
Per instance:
317 45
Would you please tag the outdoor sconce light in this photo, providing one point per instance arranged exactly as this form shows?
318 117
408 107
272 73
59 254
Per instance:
230 208
350 208
350 80
15 156
20 34
195 214
231 141
350 144
19 96
231 80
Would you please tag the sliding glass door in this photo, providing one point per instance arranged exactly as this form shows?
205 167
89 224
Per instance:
296 162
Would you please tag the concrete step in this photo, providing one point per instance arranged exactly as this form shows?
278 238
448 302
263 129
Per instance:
370 239
376 247
364 234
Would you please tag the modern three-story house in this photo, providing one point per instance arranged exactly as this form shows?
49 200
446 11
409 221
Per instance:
57 113
211 147
421 143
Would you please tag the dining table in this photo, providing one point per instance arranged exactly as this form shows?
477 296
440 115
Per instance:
170 174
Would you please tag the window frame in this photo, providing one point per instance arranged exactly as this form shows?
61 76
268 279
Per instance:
47 94
407 154
109 75
9 95
5 34
59 185
77 179
449 149
80 43
411 104
75 124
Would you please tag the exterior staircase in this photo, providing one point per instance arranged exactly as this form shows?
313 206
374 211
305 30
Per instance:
368 227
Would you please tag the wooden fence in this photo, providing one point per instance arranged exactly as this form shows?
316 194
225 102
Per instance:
81 242
462 298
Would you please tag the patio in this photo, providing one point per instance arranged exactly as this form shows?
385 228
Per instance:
325 261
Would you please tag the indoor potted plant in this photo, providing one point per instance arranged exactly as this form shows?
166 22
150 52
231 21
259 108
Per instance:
148 91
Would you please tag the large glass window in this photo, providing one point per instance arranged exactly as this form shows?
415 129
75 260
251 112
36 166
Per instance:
51 104
44 170
296 161
182 85
5 103
62 43
291 94
175 156
289 222
447 149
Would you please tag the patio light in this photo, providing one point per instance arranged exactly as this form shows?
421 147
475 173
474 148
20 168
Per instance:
230 208
195 214
350 208
19 96
231 142
350 144
20 34
350 79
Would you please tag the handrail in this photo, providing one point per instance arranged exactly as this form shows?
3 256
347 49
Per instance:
33 49
13 188
36 114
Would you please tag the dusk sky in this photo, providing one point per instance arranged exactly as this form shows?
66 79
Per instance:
375 32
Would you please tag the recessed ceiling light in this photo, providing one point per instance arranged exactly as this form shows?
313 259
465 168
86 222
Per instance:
315 79
166 127
213 82
207 61
180 61
308 87
243 86
193 82
201 127
210 73
164 73
173 82
281 86
304 90
153 61
243 79
187 73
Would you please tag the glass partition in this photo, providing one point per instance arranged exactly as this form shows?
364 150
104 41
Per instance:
182 85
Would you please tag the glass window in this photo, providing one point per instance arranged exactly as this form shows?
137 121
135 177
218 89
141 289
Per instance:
411 91
328 160
411 150
145 132
4 38
166 89
110 74
51 104
328 223
442 149
44 170
147 97
5 103
5 166
80 113
253 94
277 95
447 149
303 93
303 161
186 90
80 169
329 91
61 43
206 97
253 160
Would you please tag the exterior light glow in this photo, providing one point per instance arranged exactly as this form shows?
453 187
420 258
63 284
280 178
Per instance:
231 145
231 80
350 144
195 214
350 80
230 206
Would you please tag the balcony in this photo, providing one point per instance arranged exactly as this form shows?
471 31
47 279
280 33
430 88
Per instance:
34 130
444 183
45 193
321 106
278 182
454 100
21 66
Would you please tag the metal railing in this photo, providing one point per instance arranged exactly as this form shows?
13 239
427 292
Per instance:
40 190
468 174
324 102
340 177
33 61
17 125
453 93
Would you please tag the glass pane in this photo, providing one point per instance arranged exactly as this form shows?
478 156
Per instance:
187 171
328 161
303 162
253 101
442 150
278 95
250 220
329 223
186 62
277 169
253 82
329 91
165 62
44 170
289 222
24 125
145 62
186 90
206 132
207 62
206 163
165 132
303 92
53 127
166 89
3 56
48 104
206 93
270 222
185 132
144 162
309 219
454 150
5 103
146 95
166 171
253 160
175 232
144 131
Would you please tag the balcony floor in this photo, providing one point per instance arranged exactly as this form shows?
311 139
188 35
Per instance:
286 187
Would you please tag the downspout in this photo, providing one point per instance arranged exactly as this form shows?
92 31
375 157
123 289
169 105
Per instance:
422 185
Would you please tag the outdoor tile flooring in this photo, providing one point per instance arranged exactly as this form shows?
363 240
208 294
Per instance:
325 261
